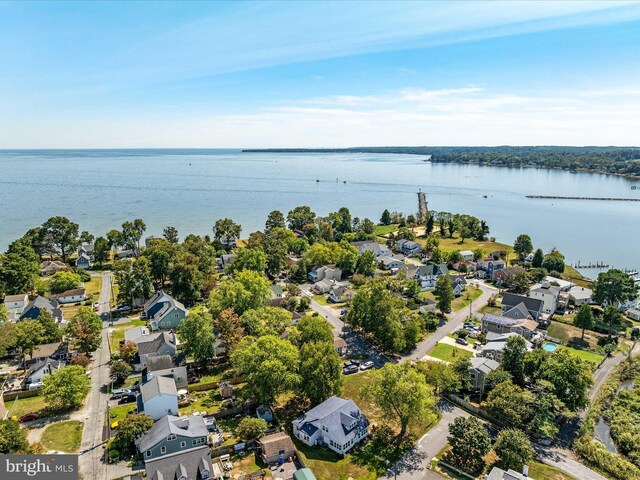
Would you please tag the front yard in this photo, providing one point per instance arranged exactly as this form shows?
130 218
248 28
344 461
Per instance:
449 353
20 407
63 436
116 333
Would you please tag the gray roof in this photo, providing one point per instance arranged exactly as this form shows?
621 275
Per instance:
519 311
431 269
169 306
189 464
55 365
546 287
15 298
134 333
192 426
40 302
499 474
532 304
498 320
387 260
151 343
156 386
485 365
154 299
337 414
377 248
160 362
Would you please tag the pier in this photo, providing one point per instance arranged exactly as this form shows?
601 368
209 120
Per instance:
609 199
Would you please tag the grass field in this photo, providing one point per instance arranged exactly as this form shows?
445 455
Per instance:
26 405
385 229
586 355
118 332
63 436
121 411
469 295
542 471
327 465
449 353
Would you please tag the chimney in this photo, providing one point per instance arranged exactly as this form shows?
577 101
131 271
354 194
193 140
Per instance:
525 471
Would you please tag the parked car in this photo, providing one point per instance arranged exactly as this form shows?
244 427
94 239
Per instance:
124 308
366 365
350 369
121 392
462 341
29 417
130 397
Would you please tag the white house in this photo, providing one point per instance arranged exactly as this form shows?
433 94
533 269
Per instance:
340 293
467 255
325 272
549 294
158 398
337 423
390 263
428 274
633 314
580 295
408 247
16 304
71 296
378 249
41 369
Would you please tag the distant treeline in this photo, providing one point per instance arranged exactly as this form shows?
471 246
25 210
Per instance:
613 160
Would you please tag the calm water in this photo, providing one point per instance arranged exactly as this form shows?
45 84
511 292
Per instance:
189 189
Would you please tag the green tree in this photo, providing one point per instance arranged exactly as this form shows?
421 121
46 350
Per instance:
186 278
549 407
62 234
614 287
402 394
132 233
248 259
538 257
441 376
314 328
470 442
494 378
251 428
66 388
520 282
275 219
385 219
159 254
226 230
444 293
320 371
119 371
247 290
299 217
612 318
130 428
553 261
266 321
229 328
29 333
8 337
134 279
511 404
13 438
268 364
127 350
523 246
101 250
197 334
4 313
63 281
570 376
584 318
513 358
19 269
462 368
170 234
51 333
514 449
366 263
85 327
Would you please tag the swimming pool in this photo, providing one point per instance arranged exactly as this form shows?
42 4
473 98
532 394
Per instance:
550 346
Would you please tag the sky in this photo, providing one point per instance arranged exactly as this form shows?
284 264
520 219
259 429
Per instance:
318 74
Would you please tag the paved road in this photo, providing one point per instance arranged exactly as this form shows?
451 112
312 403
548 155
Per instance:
92 445
415 464
557 458
455 320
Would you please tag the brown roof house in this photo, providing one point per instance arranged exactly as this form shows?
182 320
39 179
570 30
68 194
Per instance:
276 448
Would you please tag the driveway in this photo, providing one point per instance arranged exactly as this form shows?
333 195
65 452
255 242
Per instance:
452 341
93 441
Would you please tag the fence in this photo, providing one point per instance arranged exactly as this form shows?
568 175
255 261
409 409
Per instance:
248 405
457 470
480 412
212 385
8 396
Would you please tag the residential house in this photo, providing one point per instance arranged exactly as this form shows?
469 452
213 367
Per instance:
276 448
83 261
390 263
156 303
459 284
519 312
501 325
495 345
580 295
505 277
408 247
467 255
16 304
49 267
528 259
408 270
158 398
172 434
564 285
465 266
325 272
71 296
303 474
55 351
340 345
534 306
132 334
189 465
428 305
265 413
428 274
378 249
164 366
337 423
226 260
164 312
548 293
499 474
323 286
480 368
633 314
130 253
487 267
277 292
86 248
340 293
41 369
153 345
32 311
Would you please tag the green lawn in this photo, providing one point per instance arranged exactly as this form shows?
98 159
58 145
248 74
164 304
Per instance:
63 436
118 331
469 295
492 310
572 337
321 299
351 390
385 229
586 355
449 353
326 465
452 244
26 405
121 411
542 471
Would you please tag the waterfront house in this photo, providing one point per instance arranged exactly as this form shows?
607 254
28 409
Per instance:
579 295
428 274
41 369
337 423
325 272
487 267
71 296
172 434
378 249
158 398
153 345
83 261
86 248
49 267
340 293
480 368
549 294
276 448
16 304
408 247
32 311
534 306
467 255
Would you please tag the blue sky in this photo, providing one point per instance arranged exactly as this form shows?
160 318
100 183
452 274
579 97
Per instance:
318 74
